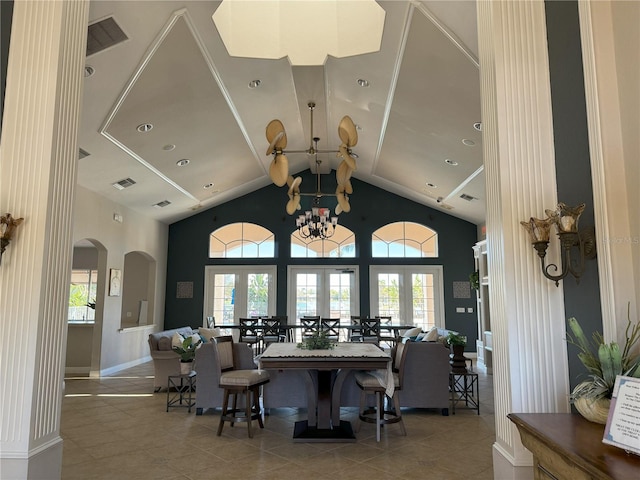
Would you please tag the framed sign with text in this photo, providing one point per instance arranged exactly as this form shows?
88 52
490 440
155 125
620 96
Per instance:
623 424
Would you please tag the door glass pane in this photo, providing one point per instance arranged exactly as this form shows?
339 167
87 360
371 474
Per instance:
389 295
423 300
257 294
340 296
306 294
224 291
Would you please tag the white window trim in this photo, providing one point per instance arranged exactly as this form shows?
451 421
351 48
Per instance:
211 270
292 270
405 305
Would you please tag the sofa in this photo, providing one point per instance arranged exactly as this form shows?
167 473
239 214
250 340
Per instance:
165 361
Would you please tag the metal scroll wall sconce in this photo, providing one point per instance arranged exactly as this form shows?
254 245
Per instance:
8 226
582 242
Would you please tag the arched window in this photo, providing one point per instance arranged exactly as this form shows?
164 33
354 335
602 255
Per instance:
341 245
404 240
241 240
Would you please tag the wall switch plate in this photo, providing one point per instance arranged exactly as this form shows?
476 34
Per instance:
470 310
128 314
459 309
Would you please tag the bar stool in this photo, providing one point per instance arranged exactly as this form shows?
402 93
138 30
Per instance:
371 385
238 382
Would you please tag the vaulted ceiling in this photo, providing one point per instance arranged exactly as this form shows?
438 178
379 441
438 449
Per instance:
415 119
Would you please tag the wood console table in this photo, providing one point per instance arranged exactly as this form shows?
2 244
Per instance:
566 446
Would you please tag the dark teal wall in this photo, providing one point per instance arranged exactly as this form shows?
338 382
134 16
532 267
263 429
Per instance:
372 208
573 169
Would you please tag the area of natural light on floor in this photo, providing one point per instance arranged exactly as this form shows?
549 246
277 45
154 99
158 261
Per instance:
109 395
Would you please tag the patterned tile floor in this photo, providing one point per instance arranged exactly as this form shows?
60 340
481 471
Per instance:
117 428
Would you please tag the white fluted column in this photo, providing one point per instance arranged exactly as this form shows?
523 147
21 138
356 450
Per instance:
38 163
530 371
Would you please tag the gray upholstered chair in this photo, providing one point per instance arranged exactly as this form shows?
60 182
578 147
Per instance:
370 384
165 361
238 382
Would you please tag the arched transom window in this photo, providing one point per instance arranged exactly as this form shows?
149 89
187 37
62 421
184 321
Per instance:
404 240
241 240
342 244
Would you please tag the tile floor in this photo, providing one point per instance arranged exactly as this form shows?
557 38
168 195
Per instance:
117 428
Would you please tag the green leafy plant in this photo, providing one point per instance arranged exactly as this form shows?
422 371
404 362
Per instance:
474 279
604 361
188 349
454 338
317 341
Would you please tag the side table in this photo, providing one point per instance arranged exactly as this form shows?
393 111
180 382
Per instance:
184 386
464 388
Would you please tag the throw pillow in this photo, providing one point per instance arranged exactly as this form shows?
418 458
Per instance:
208 333
431 336
412 332
164 344
176 340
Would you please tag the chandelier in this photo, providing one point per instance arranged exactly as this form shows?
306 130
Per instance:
314 223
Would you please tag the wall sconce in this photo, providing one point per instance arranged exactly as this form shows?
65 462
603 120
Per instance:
565 220
8 226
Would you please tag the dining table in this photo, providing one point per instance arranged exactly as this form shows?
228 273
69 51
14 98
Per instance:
329 368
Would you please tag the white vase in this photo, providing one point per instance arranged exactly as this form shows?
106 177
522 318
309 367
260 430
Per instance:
186 367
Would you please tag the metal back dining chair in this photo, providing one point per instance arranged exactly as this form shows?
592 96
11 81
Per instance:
370 330
272 331
387 335
331 328
355 332
249 332
310 325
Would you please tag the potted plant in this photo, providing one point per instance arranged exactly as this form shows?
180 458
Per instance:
474 280
604 361
457 360
187 352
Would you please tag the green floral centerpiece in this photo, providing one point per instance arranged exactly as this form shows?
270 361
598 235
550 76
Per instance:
604 361
317 341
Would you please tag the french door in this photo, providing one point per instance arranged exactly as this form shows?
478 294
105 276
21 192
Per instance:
234 291
410 294
330 292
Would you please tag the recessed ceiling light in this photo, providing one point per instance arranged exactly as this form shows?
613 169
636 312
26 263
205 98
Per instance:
478 126
448 161
363 82
89 70
254 83
168 147
431 185
468 143
183 162
208 185
144 127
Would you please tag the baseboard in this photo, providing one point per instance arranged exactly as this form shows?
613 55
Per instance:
123 366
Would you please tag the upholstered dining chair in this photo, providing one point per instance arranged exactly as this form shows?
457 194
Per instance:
370 384
238 382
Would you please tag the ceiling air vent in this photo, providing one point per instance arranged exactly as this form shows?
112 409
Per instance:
466 197
124 183
104 34
161 204
82 153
